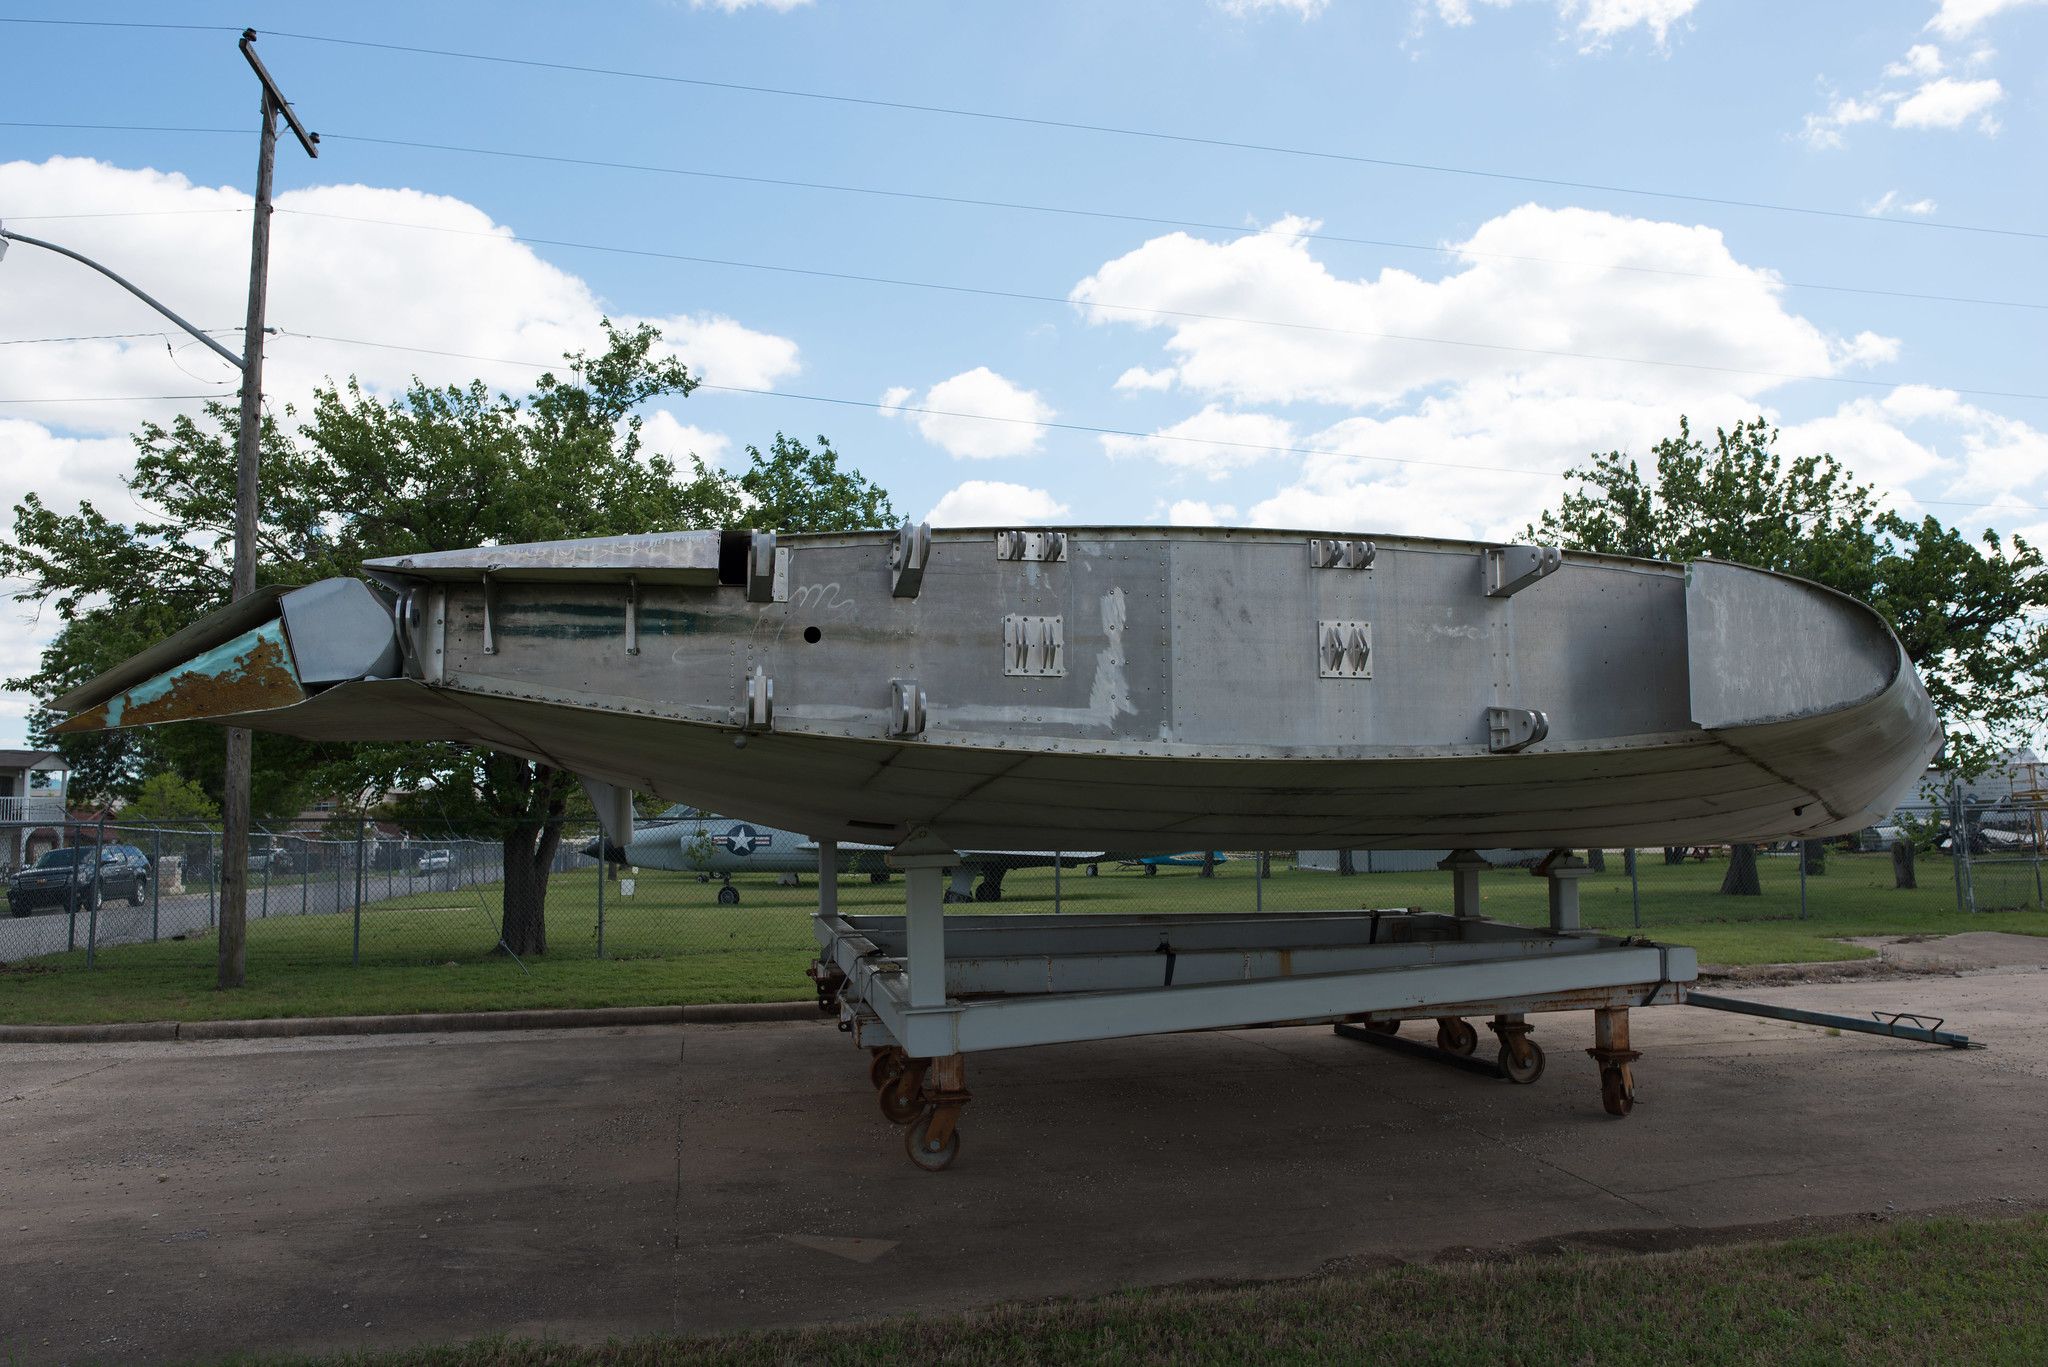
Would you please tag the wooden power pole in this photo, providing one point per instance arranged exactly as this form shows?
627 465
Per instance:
234 854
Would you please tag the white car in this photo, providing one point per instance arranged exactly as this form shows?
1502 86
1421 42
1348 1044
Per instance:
434 861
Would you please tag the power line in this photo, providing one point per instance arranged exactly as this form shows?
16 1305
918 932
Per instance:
988 292
99 337
120 213
1156 135
118 127
124 398
1085 428
1110 130
1151 220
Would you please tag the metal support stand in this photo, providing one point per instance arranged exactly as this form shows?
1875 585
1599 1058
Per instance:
924 860
1610 1050
1464 866
1564 872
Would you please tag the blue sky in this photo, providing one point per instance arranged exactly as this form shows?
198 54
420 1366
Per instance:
1333 378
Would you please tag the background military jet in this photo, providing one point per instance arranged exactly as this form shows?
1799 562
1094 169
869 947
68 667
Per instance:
686 840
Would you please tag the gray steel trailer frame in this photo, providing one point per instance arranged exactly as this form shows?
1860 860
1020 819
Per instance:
922 990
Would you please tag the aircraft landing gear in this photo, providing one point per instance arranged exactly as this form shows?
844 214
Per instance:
728 895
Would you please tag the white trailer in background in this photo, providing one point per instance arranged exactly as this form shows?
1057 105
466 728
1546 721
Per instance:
1125 689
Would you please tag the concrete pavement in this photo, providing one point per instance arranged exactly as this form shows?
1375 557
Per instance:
184 1200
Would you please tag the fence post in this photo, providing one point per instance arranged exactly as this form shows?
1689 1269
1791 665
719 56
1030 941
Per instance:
92 920
1635 888
355 948
156 882
269 858
212 874
601 863
1058 858
1802 880
305 880
1259 869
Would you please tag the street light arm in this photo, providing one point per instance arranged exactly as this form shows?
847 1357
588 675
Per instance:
138 292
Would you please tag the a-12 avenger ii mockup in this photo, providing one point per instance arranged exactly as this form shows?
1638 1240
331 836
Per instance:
686 840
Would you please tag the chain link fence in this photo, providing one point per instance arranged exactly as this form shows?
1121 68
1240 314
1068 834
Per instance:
362 895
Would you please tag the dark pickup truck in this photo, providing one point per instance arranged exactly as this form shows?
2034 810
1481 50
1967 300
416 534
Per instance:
63 879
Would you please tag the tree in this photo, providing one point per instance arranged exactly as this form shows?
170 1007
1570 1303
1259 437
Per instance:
166 798
1968 614
437 468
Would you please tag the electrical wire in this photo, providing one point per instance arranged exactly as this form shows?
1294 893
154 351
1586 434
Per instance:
125 398
1153 220
1150 311
1068 125
104 337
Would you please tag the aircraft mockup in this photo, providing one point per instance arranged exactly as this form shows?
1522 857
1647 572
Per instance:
685 840
1121 688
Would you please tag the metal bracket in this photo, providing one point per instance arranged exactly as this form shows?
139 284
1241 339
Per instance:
490 614
1344 650
1332 554
760 700
779 590
907 557
1509 729
1045 546
1034 647
632 615
906 708
761 568
1510 569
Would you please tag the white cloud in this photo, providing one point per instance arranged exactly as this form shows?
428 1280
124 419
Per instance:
1137 377
1865 348
1213 442
976 415
1192 512
1544 323
1921 59
721 351
1594 21
1245 9
1824 131
1956 18
1891 201
989 502
662 433
1950 103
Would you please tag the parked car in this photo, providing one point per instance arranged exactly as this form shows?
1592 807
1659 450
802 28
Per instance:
434 861
79 876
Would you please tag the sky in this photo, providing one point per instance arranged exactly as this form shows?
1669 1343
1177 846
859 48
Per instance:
1365 267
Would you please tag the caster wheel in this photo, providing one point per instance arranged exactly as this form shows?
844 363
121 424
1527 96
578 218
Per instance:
1384 1027
1458 1037
903 1097
884 1068
729 897
1616 1097
1522 1072
919 1146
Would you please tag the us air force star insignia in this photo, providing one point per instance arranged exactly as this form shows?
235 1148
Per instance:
741 840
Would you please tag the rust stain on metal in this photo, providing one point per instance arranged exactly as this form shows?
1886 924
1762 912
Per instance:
257 681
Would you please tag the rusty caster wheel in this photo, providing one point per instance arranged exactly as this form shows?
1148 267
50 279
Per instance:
902 1097
917 1143
1616 1096
1522 1072
884 1068
1454 1036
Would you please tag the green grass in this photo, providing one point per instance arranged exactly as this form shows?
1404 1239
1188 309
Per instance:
672 942
1943 1290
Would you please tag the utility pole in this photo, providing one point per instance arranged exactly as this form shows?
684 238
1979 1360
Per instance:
234 887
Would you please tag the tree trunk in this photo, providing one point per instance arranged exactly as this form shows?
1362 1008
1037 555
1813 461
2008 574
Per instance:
1742 879
1815 853
1596 859
1344 866
1674 854
1902 865
529 851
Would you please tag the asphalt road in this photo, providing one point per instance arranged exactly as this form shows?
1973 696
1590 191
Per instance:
185 1200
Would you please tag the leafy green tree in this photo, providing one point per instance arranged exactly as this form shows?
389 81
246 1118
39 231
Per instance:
437 468
165 798
1969 612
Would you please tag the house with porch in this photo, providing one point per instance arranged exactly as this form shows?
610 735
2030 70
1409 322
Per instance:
32 811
